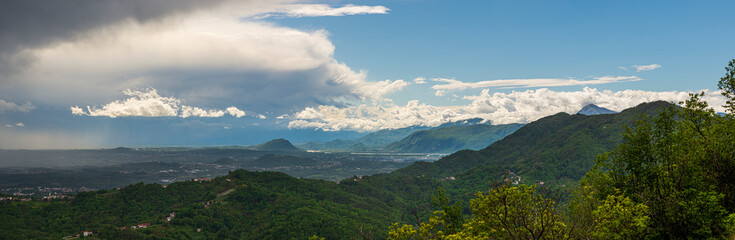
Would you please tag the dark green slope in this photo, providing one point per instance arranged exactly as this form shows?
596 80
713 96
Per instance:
560 147
452 139
241 205
278 145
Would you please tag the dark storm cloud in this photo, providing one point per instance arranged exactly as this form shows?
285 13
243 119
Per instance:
34 23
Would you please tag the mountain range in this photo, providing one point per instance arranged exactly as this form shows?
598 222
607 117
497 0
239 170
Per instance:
560 148
369 142
557 149
452 138
446 138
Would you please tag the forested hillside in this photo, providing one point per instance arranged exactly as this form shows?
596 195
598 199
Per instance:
558 148
452 138
671 177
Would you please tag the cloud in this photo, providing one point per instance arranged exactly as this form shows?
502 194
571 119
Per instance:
209 55
419 80
284 116
235 112
148 103
189 111
141 104
640 68
76 110
20 124
261 116
497 108
321 10
376 90
13 107
37 23
453 84
439 93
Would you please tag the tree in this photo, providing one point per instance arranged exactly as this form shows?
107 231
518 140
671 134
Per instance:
505 212
678 167
515 212
727 85
620 218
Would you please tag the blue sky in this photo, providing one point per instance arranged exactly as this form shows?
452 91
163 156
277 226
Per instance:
243 72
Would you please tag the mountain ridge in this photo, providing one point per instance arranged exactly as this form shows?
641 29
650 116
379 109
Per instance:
452 138
560 141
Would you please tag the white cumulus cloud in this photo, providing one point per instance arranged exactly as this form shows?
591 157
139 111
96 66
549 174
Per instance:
141 103
640 68
148 103
376 90
419 80
189 111
235 112
497 108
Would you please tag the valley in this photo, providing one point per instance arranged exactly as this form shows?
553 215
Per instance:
380 187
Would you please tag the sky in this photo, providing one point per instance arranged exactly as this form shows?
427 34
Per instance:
137 73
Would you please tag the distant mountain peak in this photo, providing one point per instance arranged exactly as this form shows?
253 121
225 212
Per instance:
281 145
592 109
465 122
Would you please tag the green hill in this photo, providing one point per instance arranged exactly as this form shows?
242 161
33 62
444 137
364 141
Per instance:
452 139
241 205
560 147
278 145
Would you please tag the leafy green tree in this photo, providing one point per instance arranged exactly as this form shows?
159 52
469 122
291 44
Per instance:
515 212
677 167
451 215
505 212
727 85
449 220
619 217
